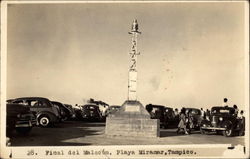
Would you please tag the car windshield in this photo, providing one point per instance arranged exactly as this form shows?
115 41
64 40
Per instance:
197 112
168 110
154 109
194 111
222 111
91 107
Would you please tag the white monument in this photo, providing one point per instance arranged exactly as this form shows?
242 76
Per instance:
132 119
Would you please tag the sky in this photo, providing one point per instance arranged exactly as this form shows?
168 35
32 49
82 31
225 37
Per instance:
192 54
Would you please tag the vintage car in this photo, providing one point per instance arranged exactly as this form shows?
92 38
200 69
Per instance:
46 113
19 118
65 112
222 119
70 107
196 116
78 112
112 109
171 119
164 114
91 112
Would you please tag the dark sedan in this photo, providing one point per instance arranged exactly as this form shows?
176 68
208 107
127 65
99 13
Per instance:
222 119
195 114
65 112
91 112
112 109
164 114
47 114
19 118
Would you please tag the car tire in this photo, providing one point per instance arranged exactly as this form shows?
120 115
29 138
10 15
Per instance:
23 130
44 121
241 133
64 119
228 132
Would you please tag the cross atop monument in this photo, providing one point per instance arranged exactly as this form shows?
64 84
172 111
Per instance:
132 81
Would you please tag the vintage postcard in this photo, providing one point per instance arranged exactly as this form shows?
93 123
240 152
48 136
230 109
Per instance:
124 79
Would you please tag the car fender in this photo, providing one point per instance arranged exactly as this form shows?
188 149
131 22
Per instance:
51 115
227 124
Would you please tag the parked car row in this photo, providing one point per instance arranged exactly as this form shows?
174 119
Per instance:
221 120
24 113
91 112
27 112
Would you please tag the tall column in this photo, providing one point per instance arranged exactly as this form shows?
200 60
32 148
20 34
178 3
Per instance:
132 119
132 79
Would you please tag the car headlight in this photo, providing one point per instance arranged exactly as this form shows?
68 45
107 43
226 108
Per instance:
220 118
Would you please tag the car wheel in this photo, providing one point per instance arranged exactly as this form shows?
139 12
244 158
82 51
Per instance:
65 118
241 133
228 132
44 121
23 130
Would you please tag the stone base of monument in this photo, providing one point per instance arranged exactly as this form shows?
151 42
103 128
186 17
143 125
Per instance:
132 120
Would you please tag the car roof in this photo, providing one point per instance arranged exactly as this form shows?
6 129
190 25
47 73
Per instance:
153 105
158 106
168 107
222 107
68 105
57 102
90 105
192 108
31 98
115 106
10 104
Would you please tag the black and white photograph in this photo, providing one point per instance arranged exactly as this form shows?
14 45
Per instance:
123 79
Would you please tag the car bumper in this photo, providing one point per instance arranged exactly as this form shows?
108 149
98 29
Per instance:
29 123
213 128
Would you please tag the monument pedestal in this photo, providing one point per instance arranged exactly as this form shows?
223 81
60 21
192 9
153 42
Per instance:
132 120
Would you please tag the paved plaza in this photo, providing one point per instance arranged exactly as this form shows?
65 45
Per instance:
78 133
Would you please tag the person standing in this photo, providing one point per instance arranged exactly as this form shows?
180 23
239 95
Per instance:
225 100
242 123
190 121
202 113
241 115
176 113
102 109
208 114
182 123
236 110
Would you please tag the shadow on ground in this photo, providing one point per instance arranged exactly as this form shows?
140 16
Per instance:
57 135
172 132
